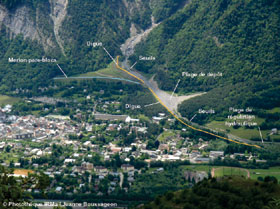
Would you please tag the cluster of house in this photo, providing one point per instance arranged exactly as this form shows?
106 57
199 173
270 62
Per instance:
76 165
101 173
104 106
31 127
165 152
95 175
127 170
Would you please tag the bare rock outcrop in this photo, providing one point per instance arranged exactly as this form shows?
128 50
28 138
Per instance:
18 22
34 23
58 14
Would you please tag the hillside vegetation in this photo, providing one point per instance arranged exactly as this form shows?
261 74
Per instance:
107 21
239 39
227 192
10 3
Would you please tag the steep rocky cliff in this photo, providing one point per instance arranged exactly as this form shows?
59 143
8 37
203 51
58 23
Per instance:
40 24
31 23
18 22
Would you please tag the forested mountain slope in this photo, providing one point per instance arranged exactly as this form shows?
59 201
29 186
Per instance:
228 192
60 29
236 39
240 39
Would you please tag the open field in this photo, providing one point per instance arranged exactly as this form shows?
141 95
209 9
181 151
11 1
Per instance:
165 135
4 100
109 74
222 170
22 172
240 132
197 167
274 171
230 171
274 110
110 71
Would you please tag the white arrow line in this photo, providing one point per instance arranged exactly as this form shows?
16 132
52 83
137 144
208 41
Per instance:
110 56
133 65
260 134
175 89
62 70
151 104
192 117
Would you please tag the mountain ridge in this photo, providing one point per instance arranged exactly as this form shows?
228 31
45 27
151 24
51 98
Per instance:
239 40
